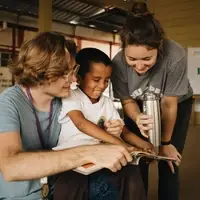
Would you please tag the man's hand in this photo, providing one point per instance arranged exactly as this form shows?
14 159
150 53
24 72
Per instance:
170 151
114 127
113 157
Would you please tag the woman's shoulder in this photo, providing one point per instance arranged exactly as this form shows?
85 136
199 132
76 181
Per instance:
119 58
173 51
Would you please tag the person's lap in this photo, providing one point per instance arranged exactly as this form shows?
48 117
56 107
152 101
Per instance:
126 184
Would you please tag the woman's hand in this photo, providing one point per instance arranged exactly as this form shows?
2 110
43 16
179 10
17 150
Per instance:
114 127
144 123
170 151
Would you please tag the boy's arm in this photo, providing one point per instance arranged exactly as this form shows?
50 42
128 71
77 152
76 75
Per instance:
92 129
136 141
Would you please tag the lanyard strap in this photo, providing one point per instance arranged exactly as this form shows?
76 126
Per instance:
30 98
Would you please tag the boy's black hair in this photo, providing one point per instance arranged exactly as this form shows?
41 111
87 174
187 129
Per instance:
87 56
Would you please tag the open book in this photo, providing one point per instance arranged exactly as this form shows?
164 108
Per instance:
137 155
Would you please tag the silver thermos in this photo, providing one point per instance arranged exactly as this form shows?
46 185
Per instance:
151 106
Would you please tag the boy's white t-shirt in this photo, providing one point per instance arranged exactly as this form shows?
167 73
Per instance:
97 113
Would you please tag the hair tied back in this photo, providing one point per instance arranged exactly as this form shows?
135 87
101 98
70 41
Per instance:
142 14
139 9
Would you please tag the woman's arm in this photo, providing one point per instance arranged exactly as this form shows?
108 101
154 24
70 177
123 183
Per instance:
132 110
168 115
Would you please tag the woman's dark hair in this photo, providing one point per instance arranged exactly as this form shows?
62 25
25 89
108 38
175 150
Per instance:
141 28
87 56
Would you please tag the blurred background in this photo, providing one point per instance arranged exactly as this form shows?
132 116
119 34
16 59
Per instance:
96 23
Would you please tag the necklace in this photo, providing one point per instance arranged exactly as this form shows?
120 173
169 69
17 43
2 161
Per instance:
39 130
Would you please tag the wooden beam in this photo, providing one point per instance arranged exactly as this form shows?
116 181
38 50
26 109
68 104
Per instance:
45 15
126 5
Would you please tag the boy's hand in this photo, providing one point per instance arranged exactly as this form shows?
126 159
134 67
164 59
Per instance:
114 127
147 146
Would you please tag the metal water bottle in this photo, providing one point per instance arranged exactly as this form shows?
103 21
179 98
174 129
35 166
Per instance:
151 106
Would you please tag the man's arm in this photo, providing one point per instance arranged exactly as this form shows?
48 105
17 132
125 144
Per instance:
169 113
92 129
16 165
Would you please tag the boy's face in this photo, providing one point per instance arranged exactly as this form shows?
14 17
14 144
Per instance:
96 81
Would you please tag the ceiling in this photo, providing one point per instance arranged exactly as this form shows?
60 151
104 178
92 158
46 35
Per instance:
105 15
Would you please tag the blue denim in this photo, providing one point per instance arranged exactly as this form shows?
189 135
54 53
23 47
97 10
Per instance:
100 188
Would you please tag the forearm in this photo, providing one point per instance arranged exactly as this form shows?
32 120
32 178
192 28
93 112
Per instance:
169 114
132 138
34 165
93 130
131 108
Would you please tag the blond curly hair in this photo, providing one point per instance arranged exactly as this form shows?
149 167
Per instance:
44 58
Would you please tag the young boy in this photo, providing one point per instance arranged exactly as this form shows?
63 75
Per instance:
84 113
86 109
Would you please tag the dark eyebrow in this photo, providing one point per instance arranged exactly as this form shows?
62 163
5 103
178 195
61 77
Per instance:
139 58
100 77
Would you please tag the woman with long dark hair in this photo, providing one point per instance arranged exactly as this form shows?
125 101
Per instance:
149 61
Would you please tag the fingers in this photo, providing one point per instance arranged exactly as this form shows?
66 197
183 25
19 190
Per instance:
107 124
130 148
113 123
143 133
144 119
123 161
127 155
178 160
114 130
171 167
117 165
144 122
114 127
116 157
179 156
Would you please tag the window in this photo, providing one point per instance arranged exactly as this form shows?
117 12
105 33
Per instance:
5 58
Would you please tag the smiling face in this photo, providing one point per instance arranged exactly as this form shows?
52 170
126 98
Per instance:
96 81
140 58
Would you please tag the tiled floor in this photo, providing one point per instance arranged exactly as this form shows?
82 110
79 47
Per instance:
189 169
